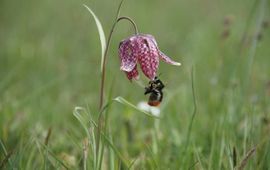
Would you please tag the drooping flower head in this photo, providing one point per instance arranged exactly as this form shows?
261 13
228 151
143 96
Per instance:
142 49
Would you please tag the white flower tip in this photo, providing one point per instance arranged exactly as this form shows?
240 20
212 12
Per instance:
124 68
177 64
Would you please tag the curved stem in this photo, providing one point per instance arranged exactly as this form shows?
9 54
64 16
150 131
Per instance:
131 21
106 53
103 72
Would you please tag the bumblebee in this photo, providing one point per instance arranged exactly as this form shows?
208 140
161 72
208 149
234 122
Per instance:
155 89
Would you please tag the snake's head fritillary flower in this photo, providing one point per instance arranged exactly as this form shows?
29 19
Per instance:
142 49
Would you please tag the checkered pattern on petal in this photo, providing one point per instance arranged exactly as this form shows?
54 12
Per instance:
152 38
143 49
127 55
148 57
133 74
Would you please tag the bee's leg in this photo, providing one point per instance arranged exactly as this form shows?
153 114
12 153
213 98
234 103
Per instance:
161 85
147 90
161 96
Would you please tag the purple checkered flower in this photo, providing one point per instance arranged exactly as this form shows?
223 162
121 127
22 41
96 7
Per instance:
142 49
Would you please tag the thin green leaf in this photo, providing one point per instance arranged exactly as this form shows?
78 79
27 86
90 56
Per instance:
101 34
89 131
111 156
6 159
127 103
78 116
6 153
124 161
110 143
53 155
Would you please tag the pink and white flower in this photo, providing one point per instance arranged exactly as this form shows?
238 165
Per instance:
142 49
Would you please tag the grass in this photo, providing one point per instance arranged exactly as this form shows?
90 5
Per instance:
50 65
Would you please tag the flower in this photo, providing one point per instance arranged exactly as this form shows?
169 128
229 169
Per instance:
141 48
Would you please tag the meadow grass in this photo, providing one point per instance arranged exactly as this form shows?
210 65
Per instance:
215 113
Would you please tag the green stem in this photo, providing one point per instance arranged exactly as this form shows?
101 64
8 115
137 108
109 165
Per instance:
106 53
103 72
193 114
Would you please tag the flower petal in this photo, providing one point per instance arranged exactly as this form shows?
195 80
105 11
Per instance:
127 55
168 59
148 57
133 74
162 55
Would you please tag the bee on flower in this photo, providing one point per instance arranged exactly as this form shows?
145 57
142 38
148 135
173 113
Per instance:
143 49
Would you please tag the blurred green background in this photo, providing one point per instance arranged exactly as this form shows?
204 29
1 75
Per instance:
50 63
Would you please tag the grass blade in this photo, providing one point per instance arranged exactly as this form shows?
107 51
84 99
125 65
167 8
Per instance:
246 158
123 160
78 116
6 159
127 103
194 110
53 155
234 157
88 130
7 154
101 34
109 142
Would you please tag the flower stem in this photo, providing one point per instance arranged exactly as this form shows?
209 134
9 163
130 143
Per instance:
131 21
106 52
103 73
